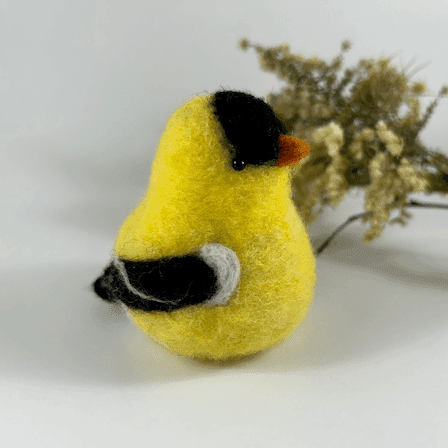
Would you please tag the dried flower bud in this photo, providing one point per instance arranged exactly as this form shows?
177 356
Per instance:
368 135
333 137
243 44
377 166
413 180
393 144
418 88
346 45
356 148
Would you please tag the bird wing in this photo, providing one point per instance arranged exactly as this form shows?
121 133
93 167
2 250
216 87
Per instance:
209 277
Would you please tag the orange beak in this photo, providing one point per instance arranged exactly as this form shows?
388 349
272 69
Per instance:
292 150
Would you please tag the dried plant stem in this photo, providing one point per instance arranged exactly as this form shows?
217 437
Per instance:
428 205
365 214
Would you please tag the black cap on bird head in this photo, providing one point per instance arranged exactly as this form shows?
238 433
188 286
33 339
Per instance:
255 133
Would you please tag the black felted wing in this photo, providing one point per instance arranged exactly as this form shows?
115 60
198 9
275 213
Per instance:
161 285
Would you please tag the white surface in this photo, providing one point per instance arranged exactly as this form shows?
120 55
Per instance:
85 90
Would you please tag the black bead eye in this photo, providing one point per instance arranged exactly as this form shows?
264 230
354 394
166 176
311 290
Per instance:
238 165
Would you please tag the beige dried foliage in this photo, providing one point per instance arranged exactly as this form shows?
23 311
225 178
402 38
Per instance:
359 135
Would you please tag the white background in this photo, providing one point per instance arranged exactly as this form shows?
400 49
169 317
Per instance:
86 88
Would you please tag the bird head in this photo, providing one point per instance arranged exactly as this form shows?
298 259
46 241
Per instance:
225 143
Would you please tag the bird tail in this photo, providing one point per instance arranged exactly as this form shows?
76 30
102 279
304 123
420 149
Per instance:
104 286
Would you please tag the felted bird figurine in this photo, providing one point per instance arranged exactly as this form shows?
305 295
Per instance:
215 262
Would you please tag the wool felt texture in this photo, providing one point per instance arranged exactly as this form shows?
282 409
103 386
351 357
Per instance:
218 244
209 278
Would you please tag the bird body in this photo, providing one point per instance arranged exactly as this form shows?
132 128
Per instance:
197 203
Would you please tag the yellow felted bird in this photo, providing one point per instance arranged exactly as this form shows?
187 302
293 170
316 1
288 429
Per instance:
215 262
